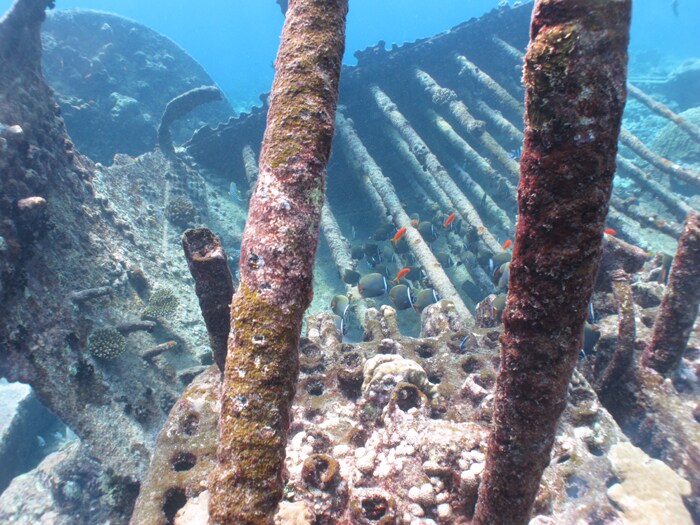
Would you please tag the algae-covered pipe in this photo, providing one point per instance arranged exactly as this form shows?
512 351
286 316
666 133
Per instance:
672 201
679 307
213 283
502 96
250 165
475 128
622 358
574 75
276 266
179 107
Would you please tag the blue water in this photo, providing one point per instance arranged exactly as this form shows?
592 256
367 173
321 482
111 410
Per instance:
236 40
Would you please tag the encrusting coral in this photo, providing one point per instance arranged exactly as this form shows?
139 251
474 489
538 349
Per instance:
390 452
180 211
649 491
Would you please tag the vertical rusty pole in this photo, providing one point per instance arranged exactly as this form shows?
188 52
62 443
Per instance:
679 308
276 266
574 75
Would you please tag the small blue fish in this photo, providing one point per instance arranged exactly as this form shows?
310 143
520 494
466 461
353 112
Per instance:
516 153
235 193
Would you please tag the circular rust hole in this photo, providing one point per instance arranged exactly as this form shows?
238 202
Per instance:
425 351
435 378
408 396
351 359
310 349
175 499
183 461
314 387
470 365
576 486
189 425
319 470
374 507
350 374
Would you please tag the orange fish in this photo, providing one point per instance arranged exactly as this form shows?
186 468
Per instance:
507 244
398 235
449 219
610 231
401 273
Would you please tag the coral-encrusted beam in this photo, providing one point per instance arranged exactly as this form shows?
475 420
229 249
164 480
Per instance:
436 170
675 170
361 160
250 166
657 107
679 308
575 72
276 266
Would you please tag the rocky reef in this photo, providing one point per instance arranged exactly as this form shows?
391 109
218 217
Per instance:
113 77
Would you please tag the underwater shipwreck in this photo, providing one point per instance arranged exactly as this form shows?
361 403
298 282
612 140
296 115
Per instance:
498 331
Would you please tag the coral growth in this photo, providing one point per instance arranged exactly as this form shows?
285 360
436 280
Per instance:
180 211
106 343
162 304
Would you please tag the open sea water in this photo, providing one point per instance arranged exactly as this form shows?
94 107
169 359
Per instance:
236 40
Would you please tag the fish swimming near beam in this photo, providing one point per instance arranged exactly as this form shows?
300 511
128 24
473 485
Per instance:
402 296
235 193
372 285
427 231
340 305
350 276
401 273
399 233
424 298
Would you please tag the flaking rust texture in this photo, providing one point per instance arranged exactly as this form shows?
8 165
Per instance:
574 75
276 265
